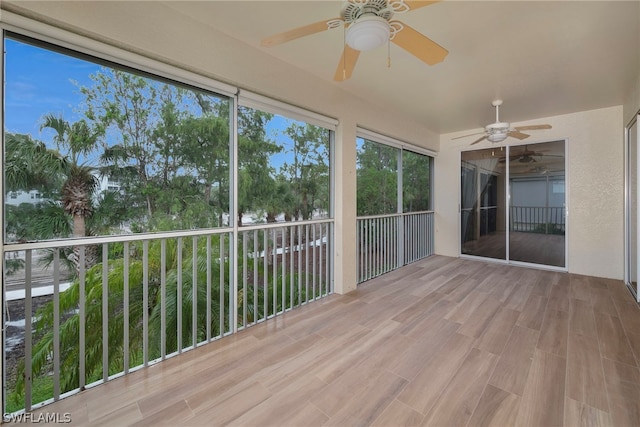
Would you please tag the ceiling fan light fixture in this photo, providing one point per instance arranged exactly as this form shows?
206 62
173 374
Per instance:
497 137
368 32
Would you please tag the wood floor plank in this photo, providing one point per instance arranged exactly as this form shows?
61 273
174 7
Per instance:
369 403
602 302
513 366
496 408
580 414
616 371
435 335
613 341
559 298
582 319
230 408
542 402
171 415
585 375
497 334
623 402
284 404
580 288
459 399
479 320
423 391
398 414
517 300
554 332
533 314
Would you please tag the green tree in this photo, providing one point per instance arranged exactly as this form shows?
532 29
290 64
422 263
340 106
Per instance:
308 172
256 183
416 181
377 179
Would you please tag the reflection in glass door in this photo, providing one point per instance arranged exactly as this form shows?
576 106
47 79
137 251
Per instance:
537 204
482 204
631 266
534 174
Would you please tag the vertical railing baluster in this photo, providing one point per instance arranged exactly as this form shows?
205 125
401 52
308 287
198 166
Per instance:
125 308
327 280
105 312
232 293
255 276
275 271
320 278
163 299
265 274
291 262
145 302
244 279
222 285
28 374
208 300
306 263
179 295
82 318
56 324
194 290
315 259
283 281
299 272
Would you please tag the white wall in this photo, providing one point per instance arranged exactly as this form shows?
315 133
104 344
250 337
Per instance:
595 190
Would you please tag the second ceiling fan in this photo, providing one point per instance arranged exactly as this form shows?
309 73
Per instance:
499 131
369 25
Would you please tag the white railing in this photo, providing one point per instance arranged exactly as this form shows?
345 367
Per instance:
537 219
112 305
387 242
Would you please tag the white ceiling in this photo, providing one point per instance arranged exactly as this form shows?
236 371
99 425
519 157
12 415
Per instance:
542 58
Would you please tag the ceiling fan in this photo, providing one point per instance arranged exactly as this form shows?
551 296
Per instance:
499 131
369 25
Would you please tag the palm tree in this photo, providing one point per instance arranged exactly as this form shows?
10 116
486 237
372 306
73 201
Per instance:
78 140
75 141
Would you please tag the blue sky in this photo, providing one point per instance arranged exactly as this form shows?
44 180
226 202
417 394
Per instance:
40 81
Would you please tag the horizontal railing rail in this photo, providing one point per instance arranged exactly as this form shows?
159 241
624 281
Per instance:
116 304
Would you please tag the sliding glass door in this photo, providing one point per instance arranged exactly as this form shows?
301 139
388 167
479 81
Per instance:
513 203
537 204
482 206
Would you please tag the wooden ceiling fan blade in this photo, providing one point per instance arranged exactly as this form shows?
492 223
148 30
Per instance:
419 45
296 33
518 135
417 4
533 127
347 64
464 136
478 140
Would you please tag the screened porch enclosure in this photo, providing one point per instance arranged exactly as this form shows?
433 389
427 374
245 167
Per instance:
164 213
169 213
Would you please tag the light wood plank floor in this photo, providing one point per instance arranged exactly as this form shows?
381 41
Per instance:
443 342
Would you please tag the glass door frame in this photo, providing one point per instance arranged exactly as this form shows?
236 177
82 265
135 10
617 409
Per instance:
627 205
507 202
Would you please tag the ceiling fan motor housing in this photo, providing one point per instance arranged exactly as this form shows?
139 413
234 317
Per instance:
355 10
